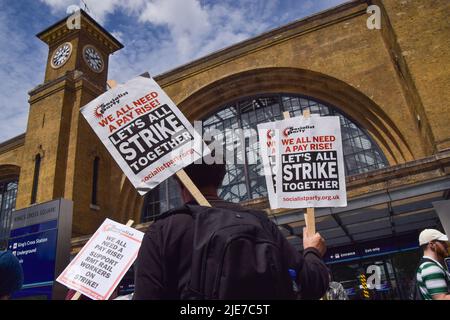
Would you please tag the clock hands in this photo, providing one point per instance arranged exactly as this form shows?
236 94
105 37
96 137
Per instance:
93 58
61 55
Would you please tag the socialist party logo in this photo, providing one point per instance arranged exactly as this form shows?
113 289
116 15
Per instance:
100 110
290 130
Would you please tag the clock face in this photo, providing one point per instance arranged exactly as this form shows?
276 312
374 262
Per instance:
93 58
61 55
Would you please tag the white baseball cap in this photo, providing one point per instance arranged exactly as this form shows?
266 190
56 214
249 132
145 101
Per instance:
428 235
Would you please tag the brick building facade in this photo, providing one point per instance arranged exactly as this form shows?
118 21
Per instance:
393 83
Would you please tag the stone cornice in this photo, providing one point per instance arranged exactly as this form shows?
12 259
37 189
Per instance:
439 162
59 30
12 143
70 78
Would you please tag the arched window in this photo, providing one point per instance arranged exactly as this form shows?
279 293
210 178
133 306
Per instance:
164 197
8 195
244 181
94 190
37 169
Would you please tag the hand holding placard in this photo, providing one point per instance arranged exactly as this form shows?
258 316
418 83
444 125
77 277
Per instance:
310 219
310 163
303 163
100 265
145 133
77 294
181 174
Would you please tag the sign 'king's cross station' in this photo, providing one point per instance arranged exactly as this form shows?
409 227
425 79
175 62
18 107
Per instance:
145 132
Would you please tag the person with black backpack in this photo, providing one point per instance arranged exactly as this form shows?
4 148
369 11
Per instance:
224 252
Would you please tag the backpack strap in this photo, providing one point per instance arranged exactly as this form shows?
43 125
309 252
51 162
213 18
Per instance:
417 293
425 259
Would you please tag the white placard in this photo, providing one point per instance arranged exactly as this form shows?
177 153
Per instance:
100 265
268 150
311 163
145 132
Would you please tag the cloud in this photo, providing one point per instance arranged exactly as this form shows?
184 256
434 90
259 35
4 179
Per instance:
98 9
187 21
58 5
187 29
158 35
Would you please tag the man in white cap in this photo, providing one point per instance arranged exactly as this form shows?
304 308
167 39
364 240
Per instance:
433 280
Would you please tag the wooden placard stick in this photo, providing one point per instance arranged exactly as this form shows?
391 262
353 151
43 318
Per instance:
310 219
192 188
181 174
78 294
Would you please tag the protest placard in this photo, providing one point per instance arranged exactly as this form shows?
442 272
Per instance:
311 165
145 132
310 216
268 150
103 261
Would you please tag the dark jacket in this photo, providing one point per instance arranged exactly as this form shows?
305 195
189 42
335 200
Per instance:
162 268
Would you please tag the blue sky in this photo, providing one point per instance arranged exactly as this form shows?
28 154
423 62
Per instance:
184 29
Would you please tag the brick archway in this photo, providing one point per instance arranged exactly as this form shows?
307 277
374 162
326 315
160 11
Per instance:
309 83
318 86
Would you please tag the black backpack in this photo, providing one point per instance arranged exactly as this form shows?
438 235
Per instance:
235 256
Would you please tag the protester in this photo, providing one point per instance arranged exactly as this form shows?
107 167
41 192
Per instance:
11 275
169 267
433 281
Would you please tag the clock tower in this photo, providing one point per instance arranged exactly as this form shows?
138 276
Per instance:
84 47
62 156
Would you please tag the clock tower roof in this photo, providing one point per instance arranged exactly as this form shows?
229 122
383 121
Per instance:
62 30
